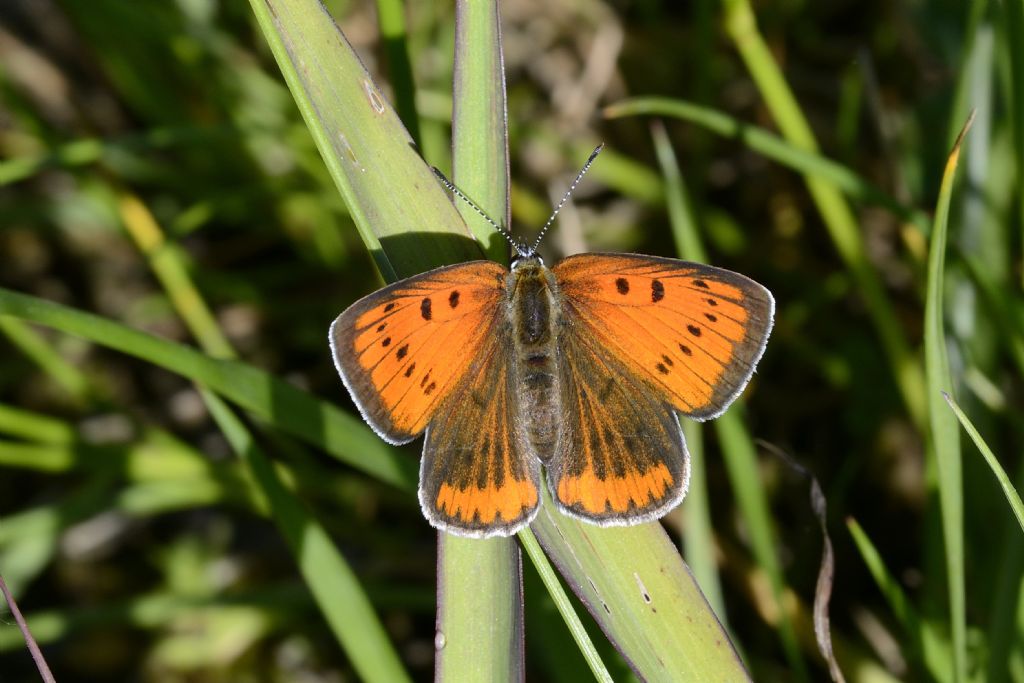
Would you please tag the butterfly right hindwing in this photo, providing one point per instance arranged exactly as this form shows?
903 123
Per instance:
621 458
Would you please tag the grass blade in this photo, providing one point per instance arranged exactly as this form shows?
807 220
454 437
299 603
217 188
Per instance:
945 436
331 580
698 537
281 404
924 641
479 582
391 16
639 591
565 608
391 194
772 147
1012 497
737 444
741 25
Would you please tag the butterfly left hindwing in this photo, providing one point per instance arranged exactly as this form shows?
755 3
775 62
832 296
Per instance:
478 476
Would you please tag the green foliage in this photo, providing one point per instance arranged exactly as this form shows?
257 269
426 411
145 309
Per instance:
157 178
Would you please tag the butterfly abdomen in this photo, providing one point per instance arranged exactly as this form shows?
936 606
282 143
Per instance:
534 313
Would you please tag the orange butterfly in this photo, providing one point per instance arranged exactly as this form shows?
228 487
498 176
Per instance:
579 368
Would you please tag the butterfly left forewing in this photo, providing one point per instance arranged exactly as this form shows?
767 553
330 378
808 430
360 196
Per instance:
691 333
478 477
404 348
621 458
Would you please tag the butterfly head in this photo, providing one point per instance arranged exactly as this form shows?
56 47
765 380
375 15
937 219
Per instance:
526 258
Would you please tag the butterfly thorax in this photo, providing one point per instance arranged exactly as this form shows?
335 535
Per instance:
534 315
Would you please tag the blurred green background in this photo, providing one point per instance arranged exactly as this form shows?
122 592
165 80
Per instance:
134 538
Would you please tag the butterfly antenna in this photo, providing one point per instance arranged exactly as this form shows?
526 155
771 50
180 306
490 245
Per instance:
519 247
565 198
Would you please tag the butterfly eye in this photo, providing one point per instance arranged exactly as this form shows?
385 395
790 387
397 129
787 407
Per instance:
521 259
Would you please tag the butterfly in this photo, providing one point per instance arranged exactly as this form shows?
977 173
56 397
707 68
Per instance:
575 372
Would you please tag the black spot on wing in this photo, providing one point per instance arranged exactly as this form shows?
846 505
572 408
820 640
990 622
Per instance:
390 307
622 285
701 284
657 291
386 342
402 351
694 330
425 308
409 370
712 317
453 298
685 349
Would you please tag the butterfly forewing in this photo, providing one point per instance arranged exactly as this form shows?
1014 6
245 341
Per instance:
402 350
478 477
690 332
621 458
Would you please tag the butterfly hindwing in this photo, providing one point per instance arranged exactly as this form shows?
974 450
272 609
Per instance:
621 458
689 332
402 350
478 476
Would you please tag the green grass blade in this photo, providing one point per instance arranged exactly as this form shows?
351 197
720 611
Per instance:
34 426
66 375
741 462
642 595
1012 497
565 608
281 404
169 267
391 194
945 436
479 582
331 580
842 226
773 147
391 16
1013 20
925 642
480 166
